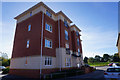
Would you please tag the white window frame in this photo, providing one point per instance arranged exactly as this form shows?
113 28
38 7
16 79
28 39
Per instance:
48 61
28 44
29 27
48 27
67 62
47 41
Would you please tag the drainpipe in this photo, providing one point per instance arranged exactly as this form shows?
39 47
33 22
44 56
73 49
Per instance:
59 40
41 44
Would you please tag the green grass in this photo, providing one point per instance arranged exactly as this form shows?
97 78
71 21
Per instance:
101 63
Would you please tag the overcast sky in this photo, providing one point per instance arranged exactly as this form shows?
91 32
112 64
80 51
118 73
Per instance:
97 20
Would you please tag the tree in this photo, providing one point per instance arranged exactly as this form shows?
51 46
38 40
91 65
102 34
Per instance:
106 57
116 57
97 58
91 60
86 59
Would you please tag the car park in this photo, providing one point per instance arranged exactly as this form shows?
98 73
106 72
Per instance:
112 73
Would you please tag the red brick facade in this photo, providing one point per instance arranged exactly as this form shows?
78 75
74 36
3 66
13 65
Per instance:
34 35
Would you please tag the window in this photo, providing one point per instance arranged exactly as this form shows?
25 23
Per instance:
67 62
48 43
66 35
78 41
67 45
26 62
65 23
77 33
48 27
29 27
28 44
30 13
48 61
78 51
48 13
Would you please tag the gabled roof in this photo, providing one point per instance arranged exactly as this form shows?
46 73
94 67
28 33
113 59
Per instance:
60 12
75 27
42 4
34 7
118 39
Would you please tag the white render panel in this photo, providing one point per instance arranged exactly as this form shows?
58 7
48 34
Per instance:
61 56
35 11
74 29
33 62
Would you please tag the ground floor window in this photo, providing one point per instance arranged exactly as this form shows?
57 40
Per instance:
48 61
67 62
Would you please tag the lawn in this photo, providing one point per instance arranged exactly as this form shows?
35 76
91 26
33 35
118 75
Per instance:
99 64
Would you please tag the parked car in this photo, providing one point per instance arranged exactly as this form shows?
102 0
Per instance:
2 67
112 73
110 64
115 64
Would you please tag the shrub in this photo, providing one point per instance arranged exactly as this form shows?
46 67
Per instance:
5 71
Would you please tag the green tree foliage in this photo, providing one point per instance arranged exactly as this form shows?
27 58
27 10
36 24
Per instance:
91 60
106 57
97 58
86 60
5 62
116 57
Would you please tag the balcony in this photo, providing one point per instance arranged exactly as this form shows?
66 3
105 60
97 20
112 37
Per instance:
75 55
68 51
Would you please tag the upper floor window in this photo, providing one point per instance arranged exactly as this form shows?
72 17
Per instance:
78 41
77 33
66 35
78 51
48 27
28 44
30 13
48 61
48 13
48 43
67 62
65 23
29 27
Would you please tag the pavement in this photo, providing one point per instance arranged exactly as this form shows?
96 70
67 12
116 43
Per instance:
96 75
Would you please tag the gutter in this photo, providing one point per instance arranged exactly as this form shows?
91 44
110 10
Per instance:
41 44
59 39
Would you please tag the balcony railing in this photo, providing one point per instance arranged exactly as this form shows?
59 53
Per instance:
67 50
75 55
